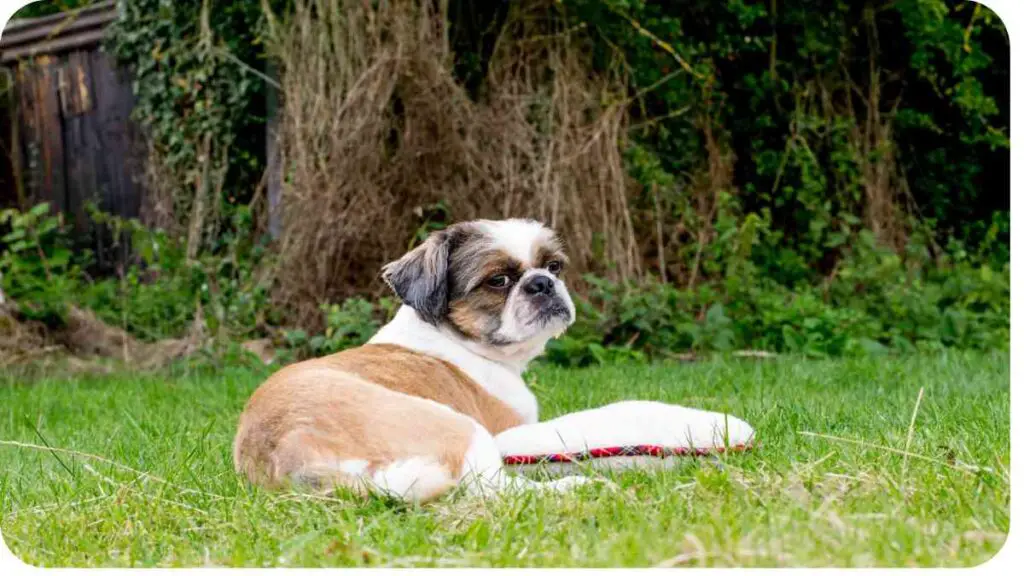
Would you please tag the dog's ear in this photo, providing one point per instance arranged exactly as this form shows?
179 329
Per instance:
420 278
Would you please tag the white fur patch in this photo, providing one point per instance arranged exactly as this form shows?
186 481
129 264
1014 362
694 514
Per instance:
353 467
482 466
501 380
413 480
517 237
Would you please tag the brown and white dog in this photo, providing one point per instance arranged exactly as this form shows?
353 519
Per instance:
413 413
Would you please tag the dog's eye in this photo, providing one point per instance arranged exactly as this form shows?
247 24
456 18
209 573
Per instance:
554 267
499 281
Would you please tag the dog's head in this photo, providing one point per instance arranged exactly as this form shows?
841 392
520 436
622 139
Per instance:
495 282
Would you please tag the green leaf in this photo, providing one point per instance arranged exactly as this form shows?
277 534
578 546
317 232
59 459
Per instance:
871 346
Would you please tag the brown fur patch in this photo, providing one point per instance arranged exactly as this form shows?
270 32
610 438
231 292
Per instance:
487 265
476 308
547 252
468 319
303 423
416 374
366 404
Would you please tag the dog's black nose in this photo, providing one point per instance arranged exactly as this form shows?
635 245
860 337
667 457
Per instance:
539 284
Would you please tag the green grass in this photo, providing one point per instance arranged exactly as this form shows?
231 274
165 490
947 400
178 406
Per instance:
172 498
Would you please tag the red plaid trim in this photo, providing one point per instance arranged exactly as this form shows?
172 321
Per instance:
640 450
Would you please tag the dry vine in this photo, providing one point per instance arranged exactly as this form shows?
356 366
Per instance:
374 125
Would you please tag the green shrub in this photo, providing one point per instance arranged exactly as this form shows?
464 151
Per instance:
349 324
876 304
157 295
37 266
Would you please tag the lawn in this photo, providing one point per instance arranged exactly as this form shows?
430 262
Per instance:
847 473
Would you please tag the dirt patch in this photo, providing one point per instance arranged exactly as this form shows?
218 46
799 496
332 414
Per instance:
85 343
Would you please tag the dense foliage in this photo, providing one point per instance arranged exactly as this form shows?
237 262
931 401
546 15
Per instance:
155 298
824 178
191 64
829 118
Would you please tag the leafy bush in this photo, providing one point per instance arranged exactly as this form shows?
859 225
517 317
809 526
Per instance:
876 303
36 265
349 324
155 297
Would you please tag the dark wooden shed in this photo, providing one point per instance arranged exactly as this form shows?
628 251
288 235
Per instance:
68 136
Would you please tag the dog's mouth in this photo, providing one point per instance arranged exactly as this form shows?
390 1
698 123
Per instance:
550 314
550 311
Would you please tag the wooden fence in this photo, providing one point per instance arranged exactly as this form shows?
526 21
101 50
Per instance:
68 135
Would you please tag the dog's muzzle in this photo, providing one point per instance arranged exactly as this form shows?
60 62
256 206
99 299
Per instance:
540 289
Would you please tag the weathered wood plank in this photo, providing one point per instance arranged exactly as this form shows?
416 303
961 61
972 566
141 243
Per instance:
80 142
10 152
54 175
28 141
115 129
75 85
53 166
112 151
43 140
